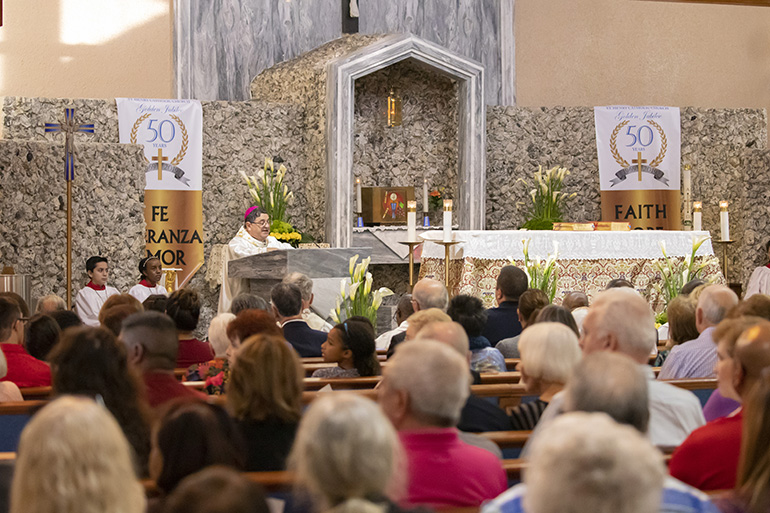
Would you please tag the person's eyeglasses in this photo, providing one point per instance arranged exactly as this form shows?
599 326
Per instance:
261 223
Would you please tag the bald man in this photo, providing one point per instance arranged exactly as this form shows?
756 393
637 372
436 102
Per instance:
708 458
697 358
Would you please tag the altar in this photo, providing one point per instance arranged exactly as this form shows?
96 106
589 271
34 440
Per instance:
586 261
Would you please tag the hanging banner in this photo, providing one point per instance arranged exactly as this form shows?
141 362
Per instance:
639 155
171 132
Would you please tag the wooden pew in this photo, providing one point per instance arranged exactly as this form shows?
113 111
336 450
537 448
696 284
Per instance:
32 393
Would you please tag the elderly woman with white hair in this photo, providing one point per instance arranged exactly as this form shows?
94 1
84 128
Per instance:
73 457
549 352
347 456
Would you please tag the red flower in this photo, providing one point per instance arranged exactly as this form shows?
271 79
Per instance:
216 380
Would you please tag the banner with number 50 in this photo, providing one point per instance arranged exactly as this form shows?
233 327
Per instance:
171 132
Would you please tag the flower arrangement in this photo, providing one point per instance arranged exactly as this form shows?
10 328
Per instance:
547 198
436 199
675 273
293 238
269 192
356 296
542 274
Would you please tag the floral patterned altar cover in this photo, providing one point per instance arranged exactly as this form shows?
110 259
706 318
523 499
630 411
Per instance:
586 260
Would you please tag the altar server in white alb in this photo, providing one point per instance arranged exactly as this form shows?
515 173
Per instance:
151 272
252 238
90 298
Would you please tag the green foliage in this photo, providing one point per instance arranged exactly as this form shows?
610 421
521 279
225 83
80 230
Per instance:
547 198
675 273
542 274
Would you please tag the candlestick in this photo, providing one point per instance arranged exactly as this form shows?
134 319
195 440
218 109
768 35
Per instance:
724 221
425 204
411 221
697 216
447 220
358 195
687 191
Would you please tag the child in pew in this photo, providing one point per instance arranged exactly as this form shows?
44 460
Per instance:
351 346
150 271
91 298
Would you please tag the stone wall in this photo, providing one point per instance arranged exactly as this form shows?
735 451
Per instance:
33 215
397 156
236 136
726 148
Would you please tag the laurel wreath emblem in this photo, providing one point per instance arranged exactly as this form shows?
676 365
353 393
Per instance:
623 162
185 138
614 146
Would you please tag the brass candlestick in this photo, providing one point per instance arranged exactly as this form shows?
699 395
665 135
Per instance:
412 245
447 246
725 266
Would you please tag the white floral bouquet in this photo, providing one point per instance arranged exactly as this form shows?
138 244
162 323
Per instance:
269 192
356 296
675 273
542 274
547 198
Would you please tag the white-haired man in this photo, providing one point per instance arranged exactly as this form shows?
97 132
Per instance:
612 384
422 392
305 286
427 293
697 358
621 321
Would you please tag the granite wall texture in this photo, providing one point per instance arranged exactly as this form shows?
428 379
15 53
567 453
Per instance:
236 136
33 214
396 156
724 146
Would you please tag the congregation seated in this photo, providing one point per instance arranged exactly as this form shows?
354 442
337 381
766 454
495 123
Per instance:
503 320
697 358
427 293
350 345
612 384
588 462
752 490
305 286
530 303
674 412
92 362
347 456
41 334
477 414
73 457
287 309
680 314
24 370
404 309
191 435
708 458
549 354
264 395
152 346
50 303
216 489
212 372
577 303
155 303
560 314
66 319
183 307
469 312
247 301
16 298
422 392
116 309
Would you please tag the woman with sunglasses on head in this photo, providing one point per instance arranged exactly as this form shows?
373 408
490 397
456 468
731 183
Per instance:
350 345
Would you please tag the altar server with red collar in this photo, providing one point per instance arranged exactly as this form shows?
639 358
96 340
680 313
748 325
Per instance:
151 271
90 298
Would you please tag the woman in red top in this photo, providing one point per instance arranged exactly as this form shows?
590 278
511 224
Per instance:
184 308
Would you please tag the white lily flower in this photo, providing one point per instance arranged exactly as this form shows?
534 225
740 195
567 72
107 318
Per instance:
290 195
352 263
357 273
555 196
243 174
268 163
525 243
353 289
376 300
556 249
343 287
662 245
260 175
697 242
334 316
687 261
532 194
368 284
254 195
366 261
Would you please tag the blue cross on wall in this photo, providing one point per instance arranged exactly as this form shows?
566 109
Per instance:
69 128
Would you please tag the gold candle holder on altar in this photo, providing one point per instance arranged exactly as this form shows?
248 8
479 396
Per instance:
447 246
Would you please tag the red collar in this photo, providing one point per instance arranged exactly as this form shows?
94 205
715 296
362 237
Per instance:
147 284
92 285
